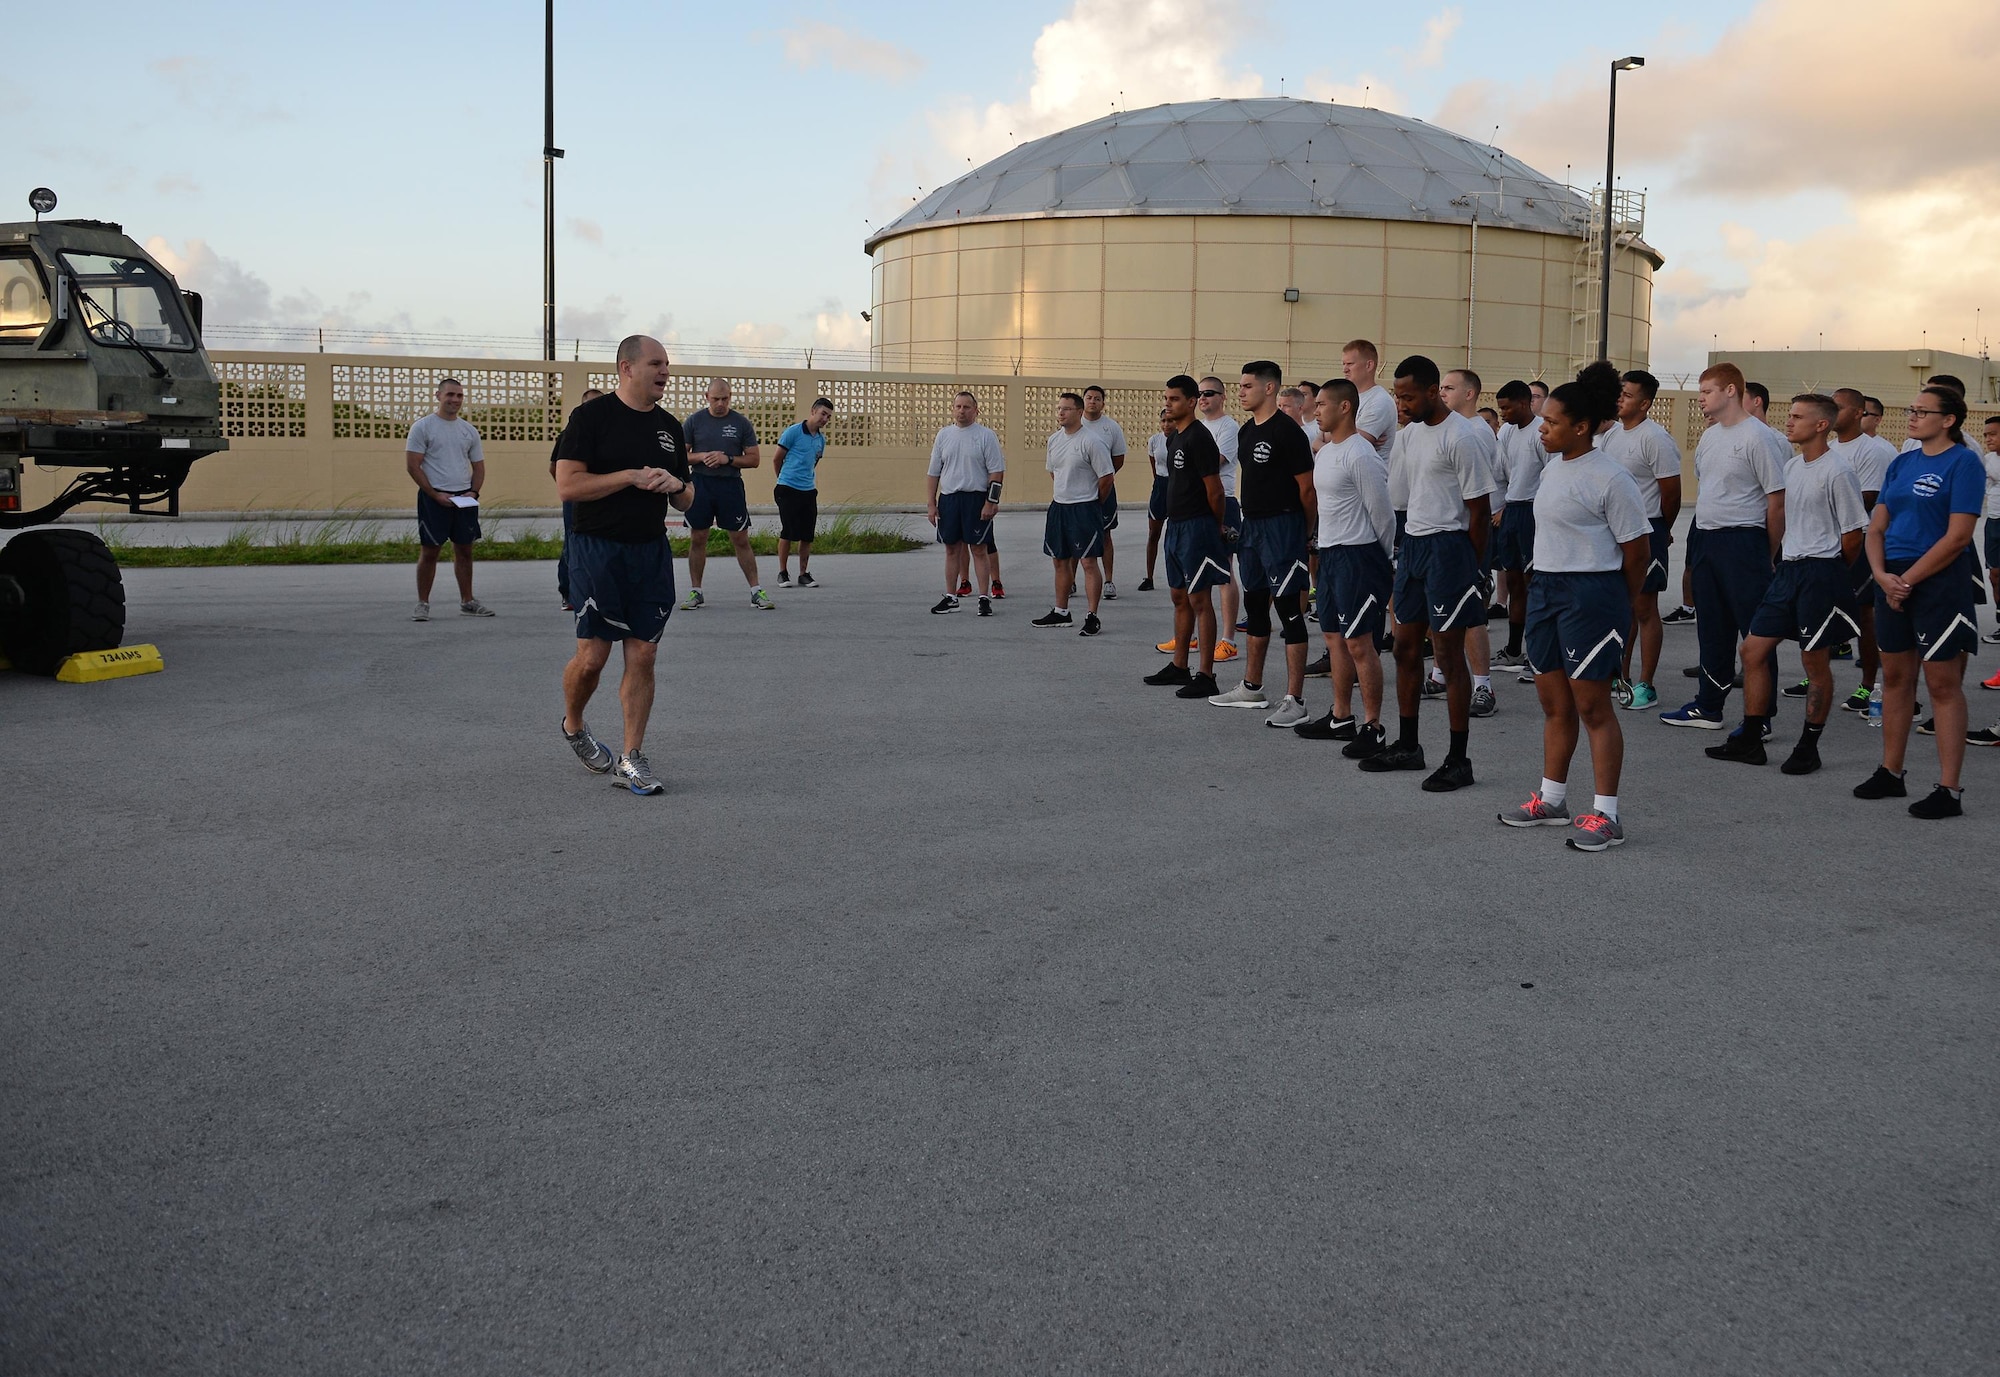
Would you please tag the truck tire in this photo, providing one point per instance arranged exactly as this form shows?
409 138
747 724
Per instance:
75 599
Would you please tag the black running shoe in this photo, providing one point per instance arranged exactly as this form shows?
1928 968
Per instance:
1692 672
1942 803
1396 756
1198 686
1321 668
1803 760
986 607
1798 690
1368 740
1453 774
1927 727
1679 616
947 603
1740 747
1091 626
1882 784
1053 618
1327 728
1145 585
1496 613
1434 688
1169 674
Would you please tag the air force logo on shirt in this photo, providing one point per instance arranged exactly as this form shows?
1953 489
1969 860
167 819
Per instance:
667 441
1179 459
1928 485
1260 453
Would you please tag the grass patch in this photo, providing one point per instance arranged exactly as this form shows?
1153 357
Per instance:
349 540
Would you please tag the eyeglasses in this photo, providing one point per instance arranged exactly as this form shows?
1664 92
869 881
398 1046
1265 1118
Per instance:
1872 415
1210 392
1920 411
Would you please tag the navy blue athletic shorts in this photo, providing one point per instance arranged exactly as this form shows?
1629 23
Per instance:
1438 582
718 502
1232 513
1156 504
1272 553
1809 601
1074 530
440 525
1355 585
1108 509
1578 623
1939 619
1516 538
1196 557
1861 578
1992 543
622 591
959 522
1656 568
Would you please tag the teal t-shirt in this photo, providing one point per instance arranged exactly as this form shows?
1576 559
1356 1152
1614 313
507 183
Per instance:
802 454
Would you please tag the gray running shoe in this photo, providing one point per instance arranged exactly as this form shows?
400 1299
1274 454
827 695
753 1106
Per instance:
1242 696
635 774
1110 591
1434 689
422 614
763 601
1510 659
1484 704
473 607
693 600
1593 831
1536 813
594 754
1291 712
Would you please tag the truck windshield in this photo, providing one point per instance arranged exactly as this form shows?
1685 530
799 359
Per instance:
24 301
128 294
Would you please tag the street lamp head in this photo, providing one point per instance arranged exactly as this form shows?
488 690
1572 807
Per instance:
1626 64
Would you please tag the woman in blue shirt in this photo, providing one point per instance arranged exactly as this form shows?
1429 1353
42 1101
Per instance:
1920 548
796 492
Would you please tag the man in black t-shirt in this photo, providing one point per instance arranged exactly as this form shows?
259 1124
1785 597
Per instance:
623 461
1274 486
1197 554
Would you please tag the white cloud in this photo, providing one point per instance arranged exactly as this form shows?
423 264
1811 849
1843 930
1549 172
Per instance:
231 294
835 327
589 231
174 186
811 43
606 320
1438 31
753 335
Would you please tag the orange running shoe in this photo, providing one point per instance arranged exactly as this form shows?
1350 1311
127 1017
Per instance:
1993 683
1224 650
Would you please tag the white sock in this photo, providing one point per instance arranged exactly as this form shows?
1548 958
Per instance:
1483 681
1555 792
1437 675
1607 804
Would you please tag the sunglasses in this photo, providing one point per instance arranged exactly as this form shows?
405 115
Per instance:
1209 392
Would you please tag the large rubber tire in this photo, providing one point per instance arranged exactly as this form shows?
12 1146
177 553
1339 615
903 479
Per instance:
75 599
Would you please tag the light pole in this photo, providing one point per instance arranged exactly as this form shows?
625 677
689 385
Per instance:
549 155
1623 64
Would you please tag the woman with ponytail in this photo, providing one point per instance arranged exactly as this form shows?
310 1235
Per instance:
1592 545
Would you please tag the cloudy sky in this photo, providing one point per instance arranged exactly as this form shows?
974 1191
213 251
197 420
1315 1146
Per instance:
1816 169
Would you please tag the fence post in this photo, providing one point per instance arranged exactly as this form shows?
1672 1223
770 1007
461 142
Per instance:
319 427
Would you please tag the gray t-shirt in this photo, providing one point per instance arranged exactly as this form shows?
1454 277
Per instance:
1157 447
1822 503
1585 509
1737 467
1077 461
450 449
1525 458
1375 413
732 434
1224 428
1868 455
963 456
1352 483
1648 454
1109 434
1434 470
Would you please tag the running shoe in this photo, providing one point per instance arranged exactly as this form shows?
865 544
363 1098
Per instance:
473 607
1741 748
1291 713
1452 775
1928 727
986 607
1225 651
784 579
1798 690
947 603
1643 696
1857 701
422 614
1110 591
1693 715
1327 728
1680 616
808 581
1993 683
1091 625
1312 606
1145 585
1510 659
999 589
1882 784
1484 704
1593 831
594 754
1368 740
1843 651
1497 612
1242 696
1536 813
694 600
1199 685
1434 688
1394 756
1621 693
1942 803
632 772
1992 637
1168 675
1691 672
564 607
1322 668
763 601
1984 736
1803 760
1054 617
965 588
1242 624
1527 676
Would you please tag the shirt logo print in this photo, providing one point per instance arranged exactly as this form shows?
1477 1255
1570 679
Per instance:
1929 485
667 441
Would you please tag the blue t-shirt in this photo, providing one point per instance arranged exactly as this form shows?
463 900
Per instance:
732 434
1923 492
802 455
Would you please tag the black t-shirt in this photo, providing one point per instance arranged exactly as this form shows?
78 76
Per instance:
1269 459
1191 457
607 436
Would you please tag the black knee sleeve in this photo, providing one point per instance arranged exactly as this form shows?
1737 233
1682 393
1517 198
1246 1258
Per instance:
1257 611
1291 617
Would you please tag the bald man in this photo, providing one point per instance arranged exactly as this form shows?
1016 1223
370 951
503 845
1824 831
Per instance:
723 444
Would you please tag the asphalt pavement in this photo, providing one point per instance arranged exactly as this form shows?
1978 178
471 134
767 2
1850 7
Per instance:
964 1006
